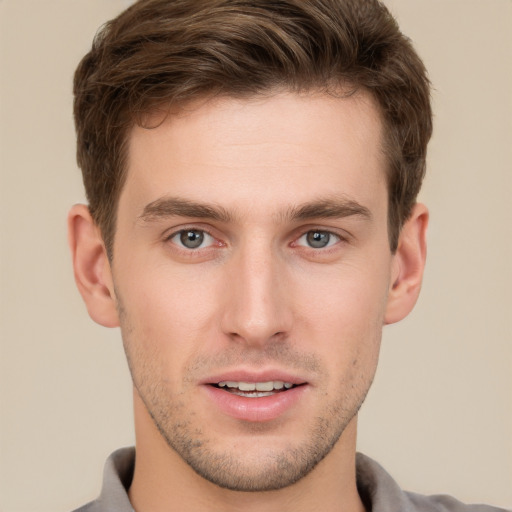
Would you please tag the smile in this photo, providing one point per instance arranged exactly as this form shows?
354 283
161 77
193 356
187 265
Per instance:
255 396
255 389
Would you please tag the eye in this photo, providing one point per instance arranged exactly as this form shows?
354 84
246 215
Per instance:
192 238
317 239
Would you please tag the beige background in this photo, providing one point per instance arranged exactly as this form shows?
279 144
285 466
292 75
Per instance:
439 417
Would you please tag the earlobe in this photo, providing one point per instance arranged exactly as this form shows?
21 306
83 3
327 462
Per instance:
408 266
91 267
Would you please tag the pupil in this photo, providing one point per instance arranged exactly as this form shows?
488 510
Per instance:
318 239
191 239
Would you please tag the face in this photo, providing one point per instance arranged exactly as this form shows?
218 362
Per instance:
251 271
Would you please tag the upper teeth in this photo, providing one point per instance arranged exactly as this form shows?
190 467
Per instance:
256 386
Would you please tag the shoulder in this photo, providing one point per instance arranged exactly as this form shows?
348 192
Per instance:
117 477
445 503
89 507
381 493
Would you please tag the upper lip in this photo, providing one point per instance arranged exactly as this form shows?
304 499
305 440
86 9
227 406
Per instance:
254 376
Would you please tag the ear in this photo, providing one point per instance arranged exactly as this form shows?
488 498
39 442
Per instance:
91 267
408 266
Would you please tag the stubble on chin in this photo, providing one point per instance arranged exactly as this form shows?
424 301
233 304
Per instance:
257 471
261 467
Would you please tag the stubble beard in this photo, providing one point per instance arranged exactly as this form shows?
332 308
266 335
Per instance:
267 471
236 471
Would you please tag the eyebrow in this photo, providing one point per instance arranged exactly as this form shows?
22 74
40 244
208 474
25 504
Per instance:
176 207
337 207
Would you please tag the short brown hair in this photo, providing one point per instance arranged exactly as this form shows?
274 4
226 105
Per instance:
169 52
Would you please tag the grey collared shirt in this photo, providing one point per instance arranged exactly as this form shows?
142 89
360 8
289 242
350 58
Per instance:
379 492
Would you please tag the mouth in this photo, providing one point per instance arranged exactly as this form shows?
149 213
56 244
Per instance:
255 389
255 396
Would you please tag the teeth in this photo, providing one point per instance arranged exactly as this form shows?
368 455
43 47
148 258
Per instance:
254 394
264 386
246 386
256 386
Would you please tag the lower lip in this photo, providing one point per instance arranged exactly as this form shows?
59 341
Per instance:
257 409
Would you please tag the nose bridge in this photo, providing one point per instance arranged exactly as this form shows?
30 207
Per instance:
256 309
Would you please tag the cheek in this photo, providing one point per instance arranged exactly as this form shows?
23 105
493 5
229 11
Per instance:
165 312
351 293
345 312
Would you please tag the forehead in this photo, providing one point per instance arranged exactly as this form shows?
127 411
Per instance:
284 147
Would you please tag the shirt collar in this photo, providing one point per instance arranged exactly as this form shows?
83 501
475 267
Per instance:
378 491
117 478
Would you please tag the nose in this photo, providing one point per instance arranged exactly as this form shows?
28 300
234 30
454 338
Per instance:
257 306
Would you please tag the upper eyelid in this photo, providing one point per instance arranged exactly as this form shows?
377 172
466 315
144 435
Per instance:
172 232
189 250
331 233
297 233
341 233
326 231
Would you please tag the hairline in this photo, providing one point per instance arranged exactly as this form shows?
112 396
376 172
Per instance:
160 112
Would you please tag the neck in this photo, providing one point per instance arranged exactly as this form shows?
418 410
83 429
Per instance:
162 481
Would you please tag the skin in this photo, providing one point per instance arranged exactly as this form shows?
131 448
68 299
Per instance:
258 179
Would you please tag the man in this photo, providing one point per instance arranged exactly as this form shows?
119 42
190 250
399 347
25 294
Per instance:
252 171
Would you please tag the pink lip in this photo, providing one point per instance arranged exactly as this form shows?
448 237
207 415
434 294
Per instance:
254 409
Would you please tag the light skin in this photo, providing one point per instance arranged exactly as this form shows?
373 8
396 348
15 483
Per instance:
251 245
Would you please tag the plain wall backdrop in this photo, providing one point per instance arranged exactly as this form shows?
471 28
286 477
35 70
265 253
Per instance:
439 416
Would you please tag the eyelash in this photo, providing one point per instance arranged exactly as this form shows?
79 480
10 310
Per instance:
295 243
181 232
322 232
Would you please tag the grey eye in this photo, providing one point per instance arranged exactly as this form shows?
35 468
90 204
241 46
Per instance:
192 238
318 239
